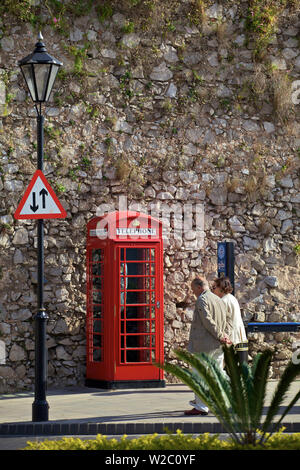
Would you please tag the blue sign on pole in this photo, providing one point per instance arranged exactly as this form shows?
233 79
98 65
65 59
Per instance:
222 257
226 261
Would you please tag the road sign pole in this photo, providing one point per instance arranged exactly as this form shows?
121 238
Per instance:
39 70
40 406
40 142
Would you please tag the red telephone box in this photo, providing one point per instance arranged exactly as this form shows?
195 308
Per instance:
124 301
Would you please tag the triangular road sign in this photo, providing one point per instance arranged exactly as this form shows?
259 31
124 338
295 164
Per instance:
40 201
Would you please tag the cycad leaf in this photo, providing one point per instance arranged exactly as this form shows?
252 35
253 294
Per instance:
221 378
196 384
255 362
244 391
290 373
201 364
190 379
294 400
206 367
203 384
239 403
247 378
260 380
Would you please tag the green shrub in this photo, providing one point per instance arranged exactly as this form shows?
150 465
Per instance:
237 397
178 441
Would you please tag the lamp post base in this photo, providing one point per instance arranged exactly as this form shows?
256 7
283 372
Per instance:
40 406
40 410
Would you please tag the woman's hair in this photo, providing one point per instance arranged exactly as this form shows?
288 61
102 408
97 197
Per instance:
224 284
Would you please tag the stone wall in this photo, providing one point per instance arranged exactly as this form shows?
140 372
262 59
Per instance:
169 105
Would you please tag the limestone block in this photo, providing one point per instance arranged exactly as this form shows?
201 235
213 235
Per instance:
17 353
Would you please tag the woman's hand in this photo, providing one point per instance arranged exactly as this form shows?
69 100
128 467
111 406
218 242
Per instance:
225 340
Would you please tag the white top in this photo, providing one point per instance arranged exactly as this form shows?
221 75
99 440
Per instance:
238 333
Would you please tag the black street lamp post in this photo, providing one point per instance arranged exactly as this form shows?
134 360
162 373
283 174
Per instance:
39 70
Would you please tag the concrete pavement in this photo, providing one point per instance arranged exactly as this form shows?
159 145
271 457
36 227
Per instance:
92 411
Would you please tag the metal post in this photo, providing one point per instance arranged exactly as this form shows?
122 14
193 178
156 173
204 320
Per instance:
230 263
40 406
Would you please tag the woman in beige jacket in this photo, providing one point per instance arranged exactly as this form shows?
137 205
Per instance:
222 288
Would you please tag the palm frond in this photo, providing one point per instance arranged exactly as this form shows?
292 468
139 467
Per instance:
237 400
294 400
206 366
204 370
209 369
203 384
239 403
196 384
260 380
255 362
247 379
290 373
221 377
188 377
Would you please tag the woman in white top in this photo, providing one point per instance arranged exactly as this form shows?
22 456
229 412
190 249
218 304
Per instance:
222 288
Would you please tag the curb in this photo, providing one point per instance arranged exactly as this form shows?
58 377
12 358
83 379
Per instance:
71 429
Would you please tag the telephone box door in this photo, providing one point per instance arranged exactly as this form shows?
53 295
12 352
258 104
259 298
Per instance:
139 314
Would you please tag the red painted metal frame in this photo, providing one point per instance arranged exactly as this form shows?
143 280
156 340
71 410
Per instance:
112 366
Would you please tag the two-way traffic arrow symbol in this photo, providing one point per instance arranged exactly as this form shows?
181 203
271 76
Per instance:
34 207
44 193
40 201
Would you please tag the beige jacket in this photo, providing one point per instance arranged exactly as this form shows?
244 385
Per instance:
235 326
209 323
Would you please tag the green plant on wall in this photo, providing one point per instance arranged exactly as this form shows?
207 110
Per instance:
5 77
60 13
22 9
79 7
104 11
125 84
262 20
52 132
8 99
85 162
60 188
79 56
197 13
128 27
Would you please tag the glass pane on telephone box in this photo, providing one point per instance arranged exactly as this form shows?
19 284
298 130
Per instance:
137 301
97 273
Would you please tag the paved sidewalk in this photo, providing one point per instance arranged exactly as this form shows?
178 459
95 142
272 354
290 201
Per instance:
91 411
